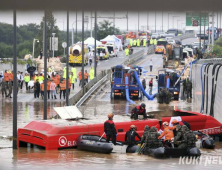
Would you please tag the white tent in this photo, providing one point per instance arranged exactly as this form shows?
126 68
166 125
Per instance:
113 39
91 41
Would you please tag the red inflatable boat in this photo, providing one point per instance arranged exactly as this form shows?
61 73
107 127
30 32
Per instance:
64 134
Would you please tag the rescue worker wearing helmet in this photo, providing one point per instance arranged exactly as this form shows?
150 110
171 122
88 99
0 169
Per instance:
131 134
188 138
167 133
139 110
181 123
110 130
145 134
152 140
179 134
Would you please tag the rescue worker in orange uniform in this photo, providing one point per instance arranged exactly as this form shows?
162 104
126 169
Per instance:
48 88
6 76
110 129
63 88
80 77
168 133
86 75
42 88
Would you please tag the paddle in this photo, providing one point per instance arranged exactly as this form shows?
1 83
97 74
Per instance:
141 148
102 136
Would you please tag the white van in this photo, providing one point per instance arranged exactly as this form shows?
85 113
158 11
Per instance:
113 50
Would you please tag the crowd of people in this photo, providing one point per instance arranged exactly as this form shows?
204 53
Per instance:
178 135
56 83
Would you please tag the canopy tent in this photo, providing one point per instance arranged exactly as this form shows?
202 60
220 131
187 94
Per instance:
113 39
91 41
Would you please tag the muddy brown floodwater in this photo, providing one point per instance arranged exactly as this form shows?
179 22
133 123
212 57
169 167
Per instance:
96 107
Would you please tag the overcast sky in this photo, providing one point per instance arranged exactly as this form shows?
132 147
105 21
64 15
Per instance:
36 17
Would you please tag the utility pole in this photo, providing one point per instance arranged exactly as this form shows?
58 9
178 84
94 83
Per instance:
162 21
114 23
208 29
76 27
45 66
67 61
82 83
147 20
212 29
200 33
15 84
91 25
204 28
95 57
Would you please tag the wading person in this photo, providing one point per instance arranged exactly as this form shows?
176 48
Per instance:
36 88
110 129
63 88
4 88
9 88
151 86
53 89
131 135
139 110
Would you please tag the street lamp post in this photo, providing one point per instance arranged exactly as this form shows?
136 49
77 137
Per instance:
155 21
53 34
33 49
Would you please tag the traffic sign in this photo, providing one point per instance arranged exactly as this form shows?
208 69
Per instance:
192 17
64 44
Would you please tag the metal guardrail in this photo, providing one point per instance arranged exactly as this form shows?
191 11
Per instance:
210 60
184 36
89 88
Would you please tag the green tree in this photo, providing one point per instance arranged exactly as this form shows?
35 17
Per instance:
217 50
51 28
6 51
106 28
24 52
219 42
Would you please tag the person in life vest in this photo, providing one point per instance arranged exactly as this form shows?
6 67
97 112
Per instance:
151 41
48 88
131 42
152 140
80 77
139 110
188 138
27 80
72 79
6 76
10 74
42 89
73 69
63 88
91 74
64 72
144 42
168 134
40 77
131 134
110 129
134 42
86 76
127 51
138 42
155 42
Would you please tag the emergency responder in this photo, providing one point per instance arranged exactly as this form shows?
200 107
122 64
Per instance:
91 74
151 41
41 78
80 77
144 42
134 42
9 88
189 88
145 134
179 134
131 42
155 42
144 83
63 88
138 42
42 88
27 80
6 76
48 88
127 51
188 138
73 70
139 110
184 87
131 134
150 86
4 88
72 79
86 76
64 72
152 140
36 88
168 134
110 130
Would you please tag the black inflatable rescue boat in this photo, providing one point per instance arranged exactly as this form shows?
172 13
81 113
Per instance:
205 140
93 143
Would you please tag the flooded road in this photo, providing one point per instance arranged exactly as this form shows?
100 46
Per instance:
95 108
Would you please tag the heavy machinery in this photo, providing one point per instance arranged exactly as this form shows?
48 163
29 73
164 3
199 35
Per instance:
118 81
75 55
173 56
167 79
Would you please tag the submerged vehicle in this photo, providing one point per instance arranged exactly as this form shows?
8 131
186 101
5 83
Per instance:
167 77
